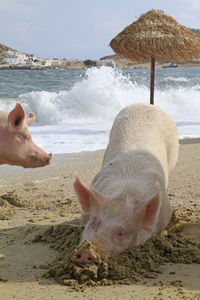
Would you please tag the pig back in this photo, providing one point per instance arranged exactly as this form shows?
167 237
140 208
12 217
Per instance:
147 128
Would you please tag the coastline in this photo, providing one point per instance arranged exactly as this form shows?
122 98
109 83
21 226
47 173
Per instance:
63 160
29 62
46 198
97 63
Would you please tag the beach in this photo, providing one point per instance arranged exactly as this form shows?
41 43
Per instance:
37 206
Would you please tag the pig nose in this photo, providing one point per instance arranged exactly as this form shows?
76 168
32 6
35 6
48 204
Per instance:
49 158
46 159
83 256
40 160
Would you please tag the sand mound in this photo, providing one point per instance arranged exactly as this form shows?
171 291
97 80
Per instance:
7 202
180 243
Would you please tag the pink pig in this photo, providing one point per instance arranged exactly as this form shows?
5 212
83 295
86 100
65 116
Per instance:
127 201
16 145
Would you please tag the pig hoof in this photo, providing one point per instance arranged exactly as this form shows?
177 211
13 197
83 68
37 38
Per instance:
83 256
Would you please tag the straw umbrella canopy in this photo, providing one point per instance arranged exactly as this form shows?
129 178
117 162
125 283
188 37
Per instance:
157 36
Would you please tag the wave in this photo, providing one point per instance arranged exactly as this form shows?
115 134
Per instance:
100 95
179 79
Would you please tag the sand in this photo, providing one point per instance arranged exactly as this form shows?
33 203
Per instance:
40 226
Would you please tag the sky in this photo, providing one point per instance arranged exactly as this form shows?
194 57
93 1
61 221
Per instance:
79 29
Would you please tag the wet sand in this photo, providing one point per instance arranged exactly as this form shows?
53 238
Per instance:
38 206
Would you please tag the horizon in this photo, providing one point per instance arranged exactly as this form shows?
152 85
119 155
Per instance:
79 30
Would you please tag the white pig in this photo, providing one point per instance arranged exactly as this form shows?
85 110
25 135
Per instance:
127 201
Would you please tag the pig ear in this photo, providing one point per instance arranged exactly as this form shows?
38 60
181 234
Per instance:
147 211
87 196
16 117
31 118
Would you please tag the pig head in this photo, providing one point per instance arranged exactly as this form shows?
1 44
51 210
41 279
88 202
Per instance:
127 201
16 145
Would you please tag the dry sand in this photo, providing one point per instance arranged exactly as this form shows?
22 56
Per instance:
40 224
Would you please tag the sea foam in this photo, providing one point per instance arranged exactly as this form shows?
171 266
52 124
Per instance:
80 117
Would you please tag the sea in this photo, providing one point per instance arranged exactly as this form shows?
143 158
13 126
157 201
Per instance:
75 109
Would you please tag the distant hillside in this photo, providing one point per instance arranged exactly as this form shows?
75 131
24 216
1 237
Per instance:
3 48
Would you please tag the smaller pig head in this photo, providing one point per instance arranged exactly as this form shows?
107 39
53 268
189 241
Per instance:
16 145
117 223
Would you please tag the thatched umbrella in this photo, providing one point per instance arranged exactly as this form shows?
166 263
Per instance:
156 36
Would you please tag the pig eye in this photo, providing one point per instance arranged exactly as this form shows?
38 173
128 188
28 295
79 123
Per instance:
119 234
27 136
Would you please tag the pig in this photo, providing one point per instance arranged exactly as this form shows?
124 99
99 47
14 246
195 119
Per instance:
16 145
127 201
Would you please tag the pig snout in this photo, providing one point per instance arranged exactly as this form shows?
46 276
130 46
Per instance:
39 159
45 160
84 256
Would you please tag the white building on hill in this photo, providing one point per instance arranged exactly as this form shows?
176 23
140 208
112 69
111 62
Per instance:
13 58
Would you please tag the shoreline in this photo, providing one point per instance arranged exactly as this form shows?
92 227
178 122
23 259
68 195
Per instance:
62 159
120 64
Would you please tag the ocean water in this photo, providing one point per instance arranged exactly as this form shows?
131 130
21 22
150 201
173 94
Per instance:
75 109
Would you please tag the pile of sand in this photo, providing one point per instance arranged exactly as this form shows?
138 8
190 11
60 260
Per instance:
7 202
180 243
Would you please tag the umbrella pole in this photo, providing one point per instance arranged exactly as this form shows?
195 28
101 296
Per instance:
152 80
